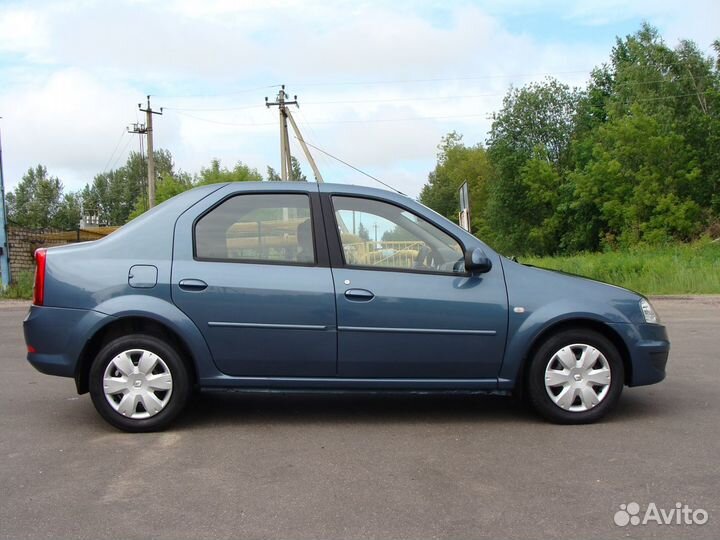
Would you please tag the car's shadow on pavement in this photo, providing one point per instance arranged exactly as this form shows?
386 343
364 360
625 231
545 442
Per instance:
215 407
211 408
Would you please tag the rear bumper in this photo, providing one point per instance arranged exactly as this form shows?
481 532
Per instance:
58 336
649 349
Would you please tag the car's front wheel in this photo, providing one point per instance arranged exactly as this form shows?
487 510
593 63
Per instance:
139 383
575 377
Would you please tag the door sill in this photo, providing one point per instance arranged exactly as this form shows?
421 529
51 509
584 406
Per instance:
342 384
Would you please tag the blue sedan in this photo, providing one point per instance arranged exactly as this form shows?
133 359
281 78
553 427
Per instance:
303 286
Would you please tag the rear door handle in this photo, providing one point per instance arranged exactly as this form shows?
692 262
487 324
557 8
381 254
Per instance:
359 295
192 285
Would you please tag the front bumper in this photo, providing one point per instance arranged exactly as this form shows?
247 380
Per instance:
58 336
649 349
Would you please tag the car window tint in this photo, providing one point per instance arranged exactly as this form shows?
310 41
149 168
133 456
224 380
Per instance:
378 234
257 227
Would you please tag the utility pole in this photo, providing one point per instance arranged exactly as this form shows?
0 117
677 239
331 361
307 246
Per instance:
150 156
4 256
285 158
140 130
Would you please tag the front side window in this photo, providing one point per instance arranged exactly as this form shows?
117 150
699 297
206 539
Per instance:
382 235
257 227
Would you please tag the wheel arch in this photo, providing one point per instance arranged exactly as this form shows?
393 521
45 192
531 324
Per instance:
131 324
567 324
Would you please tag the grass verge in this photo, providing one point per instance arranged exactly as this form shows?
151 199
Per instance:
676 269
21 287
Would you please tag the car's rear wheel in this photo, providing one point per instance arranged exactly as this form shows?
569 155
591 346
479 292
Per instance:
139 383
575 377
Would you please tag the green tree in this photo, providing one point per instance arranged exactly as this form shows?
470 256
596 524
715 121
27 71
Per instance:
638 186
272 175
680 87
297 174
111 196
670 95
115 195
38 202
69 212
165 188
36 199
544 191
457 164
216 173
536 124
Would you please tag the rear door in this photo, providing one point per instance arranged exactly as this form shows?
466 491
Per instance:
405 306
251 270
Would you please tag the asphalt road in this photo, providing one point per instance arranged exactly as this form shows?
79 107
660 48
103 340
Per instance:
334 466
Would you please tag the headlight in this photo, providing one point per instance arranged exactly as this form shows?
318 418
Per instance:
649 312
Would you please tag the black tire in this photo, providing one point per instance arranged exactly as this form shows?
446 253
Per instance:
180 383
537 393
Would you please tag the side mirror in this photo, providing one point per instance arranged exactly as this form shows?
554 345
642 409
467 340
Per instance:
476 262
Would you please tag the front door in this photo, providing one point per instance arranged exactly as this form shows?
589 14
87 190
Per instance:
405 306
255 285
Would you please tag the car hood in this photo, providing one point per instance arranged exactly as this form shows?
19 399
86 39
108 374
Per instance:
584 279
535 287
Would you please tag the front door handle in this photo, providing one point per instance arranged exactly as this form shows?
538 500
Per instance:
359 295
194 285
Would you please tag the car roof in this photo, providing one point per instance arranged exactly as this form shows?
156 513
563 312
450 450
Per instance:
349 189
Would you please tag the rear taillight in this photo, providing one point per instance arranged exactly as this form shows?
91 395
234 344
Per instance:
39 288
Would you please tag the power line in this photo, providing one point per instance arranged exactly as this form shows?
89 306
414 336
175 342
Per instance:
369 120
122 133
670 97
220 94
213 109
410 99
352 166
122 152
407 119
381 120
338 102
440 79
220 122
315 138
393 100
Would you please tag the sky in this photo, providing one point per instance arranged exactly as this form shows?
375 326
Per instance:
378 83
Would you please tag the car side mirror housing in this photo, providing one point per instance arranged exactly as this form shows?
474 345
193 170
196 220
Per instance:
476 262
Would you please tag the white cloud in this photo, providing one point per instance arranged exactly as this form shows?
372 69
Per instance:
69 122
23 31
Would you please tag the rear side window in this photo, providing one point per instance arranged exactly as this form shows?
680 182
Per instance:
257 227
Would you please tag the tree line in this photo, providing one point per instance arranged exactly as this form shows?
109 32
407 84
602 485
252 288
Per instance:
632 158
39 201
